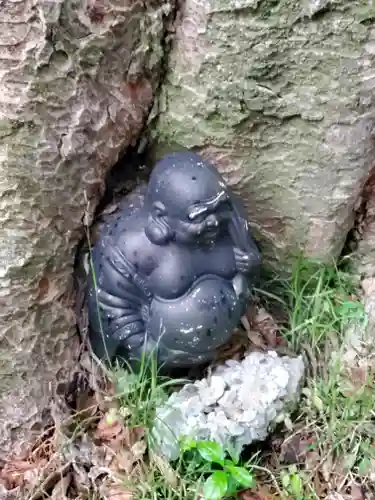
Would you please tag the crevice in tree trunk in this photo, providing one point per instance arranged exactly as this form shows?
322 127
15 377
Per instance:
361 237
132 169
136 162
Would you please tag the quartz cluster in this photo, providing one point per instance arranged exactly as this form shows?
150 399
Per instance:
235 406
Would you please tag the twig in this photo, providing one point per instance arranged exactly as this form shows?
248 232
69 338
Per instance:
49 481
273 478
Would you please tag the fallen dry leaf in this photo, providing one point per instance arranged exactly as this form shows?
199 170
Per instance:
312 460
124 461
126 458
139 449
267 327
14 494
81 480
259 331
326 468
234 349
165 469
356 492
111 430
60 490
113 490
52 476
333 495
356 378
351 491
320 487
126 444
256 339
17 473
261 493
294 449
86 405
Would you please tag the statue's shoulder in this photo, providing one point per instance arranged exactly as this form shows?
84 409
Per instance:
133 203
133 243
131 235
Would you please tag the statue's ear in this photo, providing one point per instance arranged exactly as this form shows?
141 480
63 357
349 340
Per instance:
157 228
159 209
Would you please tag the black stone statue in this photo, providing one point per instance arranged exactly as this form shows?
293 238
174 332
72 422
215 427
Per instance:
172 272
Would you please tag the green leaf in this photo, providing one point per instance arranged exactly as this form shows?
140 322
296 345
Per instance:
296 485
285 480
242 476
317 402
349 461
365 467
187 444
234 452
211 451
215 487
232 488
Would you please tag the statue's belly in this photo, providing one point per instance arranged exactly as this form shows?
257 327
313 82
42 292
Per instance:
195 324
178 268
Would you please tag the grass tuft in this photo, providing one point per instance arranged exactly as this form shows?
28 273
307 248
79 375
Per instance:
335 424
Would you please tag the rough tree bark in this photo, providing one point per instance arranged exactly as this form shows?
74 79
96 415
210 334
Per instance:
76 84
280 93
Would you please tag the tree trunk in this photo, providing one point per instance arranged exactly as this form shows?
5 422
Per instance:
76 85
280 93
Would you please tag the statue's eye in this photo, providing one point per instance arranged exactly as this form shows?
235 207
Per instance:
197 215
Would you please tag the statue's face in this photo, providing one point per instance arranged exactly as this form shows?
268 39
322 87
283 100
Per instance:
188 200
205 220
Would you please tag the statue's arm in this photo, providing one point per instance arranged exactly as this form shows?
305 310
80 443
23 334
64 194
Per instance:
116 304
246 252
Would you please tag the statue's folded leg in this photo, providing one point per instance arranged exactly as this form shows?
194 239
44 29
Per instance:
103 346
124 333
134 345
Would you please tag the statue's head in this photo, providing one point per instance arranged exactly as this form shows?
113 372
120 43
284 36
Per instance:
188 200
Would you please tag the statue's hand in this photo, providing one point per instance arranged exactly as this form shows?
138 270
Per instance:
145 312
242 260
241 286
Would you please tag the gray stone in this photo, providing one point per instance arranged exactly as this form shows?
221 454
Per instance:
236 405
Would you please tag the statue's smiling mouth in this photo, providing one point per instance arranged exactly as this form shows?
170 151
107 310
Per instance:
212 232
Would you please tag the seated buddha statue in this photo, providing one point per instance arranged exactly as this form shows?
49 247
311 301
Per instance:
172 272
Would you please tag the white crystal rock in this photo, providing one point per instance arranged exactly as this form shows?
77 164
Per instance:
236 405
